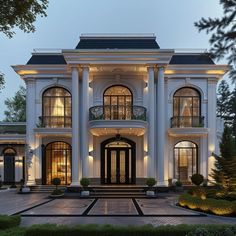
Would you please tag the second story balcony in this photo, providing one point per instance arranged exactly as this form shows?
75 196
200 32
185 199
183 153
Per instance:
117 112
187 121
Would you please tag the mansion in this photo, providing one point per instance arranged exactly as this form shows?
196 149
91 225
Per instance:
117 109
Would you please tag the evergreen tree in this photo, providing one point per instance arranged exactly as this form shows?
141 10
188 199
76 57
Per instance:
16 107
233 114
223 101
224 173
223 36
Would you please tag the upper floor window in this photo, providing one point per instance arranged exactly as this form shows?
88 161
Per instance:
118 101
56 108
186 108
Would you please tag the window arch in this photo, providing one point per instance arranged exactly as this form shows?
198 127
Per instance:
186 108
58 162
118 101
185 160
9 151
56 108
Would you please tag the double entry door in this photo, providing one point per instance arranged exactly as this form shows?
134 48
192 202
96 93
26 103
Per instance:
118 166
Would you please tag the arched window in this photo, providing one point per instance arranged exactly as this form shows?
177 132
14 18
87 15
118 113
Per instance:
118 101
56 108
58 162
185 160
186 108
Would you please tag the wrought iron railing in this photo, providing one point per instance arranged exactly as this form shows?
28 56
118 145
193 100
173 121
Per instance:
54 122
117 112
187 121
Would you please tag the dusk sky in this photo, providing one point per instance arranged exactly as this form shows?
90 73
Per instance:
172 21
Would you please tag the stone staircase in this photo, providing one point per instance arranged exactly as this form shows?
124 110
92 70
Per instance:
117 191
44 188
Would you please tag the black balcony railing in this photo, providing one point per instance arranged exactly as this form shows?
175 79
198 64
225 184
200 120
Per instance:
187 121
54 122
117 112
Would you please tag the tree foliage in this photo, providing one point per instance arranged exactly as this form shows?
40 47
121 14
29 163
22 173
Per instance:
223 36
16 107
20 13
223 100
232 108
224 173
2 81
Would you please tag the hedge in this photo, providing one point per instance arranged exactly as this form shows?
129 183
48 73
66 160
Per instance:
109 230
9 221
217 207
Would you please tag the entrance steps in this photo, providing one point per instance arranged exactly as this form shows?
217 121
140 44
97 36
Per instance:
117 191
44 188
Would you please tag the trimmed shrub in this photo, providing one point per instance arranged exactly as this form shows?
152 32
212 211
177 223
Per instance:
178 183
218 207
9 221
85 182
197 179
197 191
150 182
146 230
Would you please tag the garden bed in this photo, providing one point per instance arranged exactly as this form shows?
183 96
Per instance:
208 205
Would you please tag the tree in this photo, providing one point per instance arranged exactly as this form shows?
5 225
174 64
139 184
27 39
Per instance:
22 14
223 101
224 173
232 109
16 107
223 34
2 81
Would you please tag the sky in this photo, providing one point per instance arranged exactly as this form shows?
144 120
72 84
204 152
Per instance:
172 21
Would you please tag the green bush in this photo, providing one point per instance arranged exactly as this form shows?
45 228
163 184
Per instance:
197 179
150 182
57 192
85 182
146 230
9 221
56 181
178 183
217 207
197 191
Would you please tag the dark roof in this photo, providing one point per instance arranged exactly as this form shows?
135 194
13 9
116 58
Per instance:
12 129
46 59
117 43
191 59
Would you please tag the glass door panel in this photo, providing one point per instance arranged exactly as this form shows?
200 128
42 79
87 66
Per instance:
122 174
113 166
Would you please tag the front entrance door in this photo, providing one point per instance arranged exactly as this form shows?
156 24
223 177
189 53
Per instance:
9 169
118 162
118 166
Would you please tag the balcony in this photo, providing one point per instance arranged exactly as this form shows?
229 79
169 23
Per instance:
187 121
117 112
54 122
110 120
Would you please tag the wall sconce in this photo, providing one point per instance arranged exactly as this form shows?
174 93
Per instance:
145 85
145 153
90 84
92 153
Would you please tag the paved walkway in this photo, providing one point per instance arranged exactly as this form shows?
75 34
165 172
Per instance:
39 209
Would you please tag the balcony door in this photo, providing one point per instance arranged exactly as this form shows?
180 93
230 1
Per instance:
118 101
118 162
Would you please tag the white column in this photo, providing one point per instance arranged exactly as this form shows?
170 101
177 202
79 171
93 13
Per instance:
211 119
75 128
30 125
151 125
161 137
84 122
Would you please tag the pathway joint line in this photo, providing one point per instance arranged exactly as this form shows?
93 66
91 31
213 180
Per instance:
87 210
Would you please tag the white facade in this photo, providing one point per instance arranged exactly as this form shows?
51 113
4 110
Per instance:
153 76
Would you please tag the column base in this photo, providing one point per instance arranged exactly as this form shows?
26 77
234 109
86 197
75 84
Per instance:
75 184
30 182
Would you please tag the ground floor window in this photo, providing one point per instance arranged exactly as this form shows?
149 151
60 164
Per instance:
58 162
185 160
